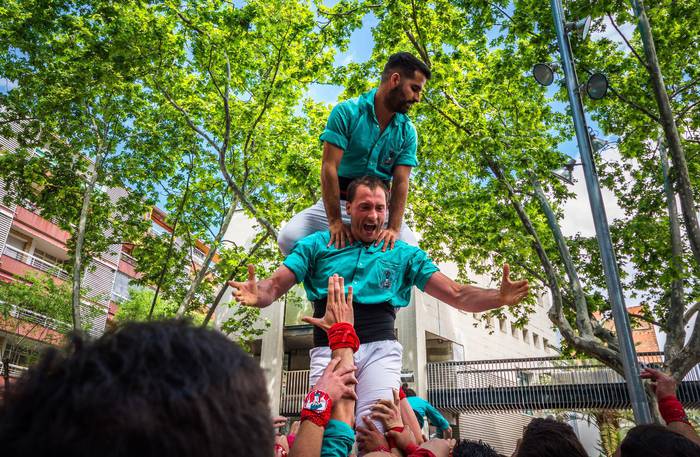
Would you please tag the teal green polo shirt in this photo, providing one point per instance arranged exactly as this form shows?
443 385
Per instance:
353 127
375 276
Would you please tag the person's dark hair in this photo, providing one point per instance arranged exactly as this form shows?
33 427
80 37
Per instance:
469 448
409 392
653 440
406 64
368 181
146 389
549 438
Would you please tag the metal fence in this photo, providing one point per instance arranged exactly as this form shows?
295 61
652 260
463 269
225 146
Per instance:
28 315
295 386
15 371
36 262
538 383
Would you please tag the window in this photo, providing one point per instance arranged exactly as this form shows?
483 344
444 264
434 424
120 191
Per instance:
157 229
514 331
38 253
16 241
198 255
535 340
545 343
502 325
526 336
120 291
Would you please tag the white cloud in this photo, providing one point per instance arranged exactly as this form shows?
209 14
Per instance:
610 33
577 211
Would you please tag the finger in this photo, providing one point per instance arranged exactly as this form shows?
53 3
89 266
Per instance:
341 289
379 238
350 393
332 240
349 302
348 233
369 423
337 291
342 238
236 284
393 243
380 409
251 272
349 379
396 396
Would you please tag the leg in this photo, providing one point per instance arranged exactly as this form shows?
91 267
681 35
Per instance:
378 372
312 219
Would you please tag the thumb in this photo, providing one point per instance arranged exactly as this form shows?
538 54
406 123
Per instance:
315 321
506 272
251 272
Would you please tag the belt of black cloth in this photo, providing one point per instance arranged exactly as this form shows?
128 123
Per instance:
344 182
372 322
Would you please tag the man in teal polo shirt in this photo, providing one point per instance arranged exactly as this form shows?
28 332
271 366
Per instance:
381 282
370 135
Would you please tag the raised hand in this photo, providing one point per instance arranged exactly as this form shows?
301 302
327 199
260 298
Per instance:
338 307
338 383
246 293
662 384
512 293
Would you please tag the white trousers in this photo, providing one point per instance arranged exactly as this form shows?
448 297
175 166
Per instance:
378 372
314 219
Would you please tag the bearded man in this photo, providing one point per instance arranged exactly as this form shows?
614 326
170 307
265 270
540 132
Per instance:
367 136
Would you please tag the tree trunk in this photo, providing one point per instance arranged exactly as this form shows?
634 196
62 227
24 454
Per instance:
201 274
675 324
78 264
583 321
670 128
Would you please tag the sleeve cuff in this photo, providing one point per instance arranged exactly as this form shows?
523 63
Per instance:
334 138
425 276
292 263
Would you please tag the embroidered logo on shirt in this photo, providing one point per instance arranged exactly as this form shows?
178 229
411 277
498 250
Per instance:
388 280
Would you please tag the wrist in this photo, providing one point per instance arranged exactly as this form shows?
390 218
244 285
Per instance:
317 408
672 410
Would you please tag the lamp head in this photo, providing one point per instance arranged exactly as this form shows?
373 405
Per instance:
597 86
544 73
582 27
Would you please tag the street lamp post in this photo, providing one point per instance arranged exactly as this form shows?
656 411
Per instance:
640 406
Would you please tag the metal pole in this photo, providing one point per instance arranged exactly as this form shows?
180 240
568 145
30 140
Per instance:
640 406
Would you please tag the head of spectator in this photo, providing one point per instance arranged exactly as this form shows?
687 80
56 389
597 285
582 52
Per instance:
404 76
469 448
653 440
367 205
145 389
549 438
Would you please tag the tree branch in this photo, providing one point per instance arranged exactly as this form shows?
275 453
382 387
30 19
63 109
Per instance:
634 105
693 309
629 45
684 87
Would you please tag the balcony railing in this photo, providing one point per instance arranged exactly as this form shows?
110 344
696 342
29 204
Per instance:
36 262
28 315
126 258
295 386
15 371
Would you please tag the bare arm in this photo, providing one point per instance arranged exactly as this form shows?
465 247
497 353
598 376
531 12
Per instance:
263 293
330 191
397 206
474 299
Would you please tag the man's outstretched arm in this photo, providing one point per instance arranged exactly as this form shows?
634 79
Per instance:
476 299
261 294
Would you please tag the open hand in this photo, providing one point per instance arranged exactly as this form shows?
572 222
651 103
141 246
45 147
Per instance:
246 293
512 293
389 236
338 307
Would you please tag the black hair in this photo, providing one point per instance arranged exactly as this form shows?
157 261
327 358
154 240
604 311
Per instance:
653 440
372 182
469 448
146 389
406 64
549 438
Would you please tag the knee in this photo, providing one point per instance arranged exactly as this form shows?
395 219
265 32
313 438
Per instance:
286 239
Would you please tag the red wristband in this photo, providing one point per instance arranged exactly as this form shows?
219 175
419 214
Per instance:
317 408
390 439
402 394
280 449
342 335
672 410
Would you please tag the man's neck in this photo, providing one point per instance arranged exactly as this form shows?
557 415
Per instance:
383 113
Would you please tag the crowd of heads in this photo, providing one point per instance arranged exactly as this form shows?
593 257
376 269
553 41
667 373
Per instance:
169 388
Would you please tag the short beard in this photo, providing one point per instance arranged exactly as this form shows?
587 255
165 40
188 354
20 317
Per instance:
395 101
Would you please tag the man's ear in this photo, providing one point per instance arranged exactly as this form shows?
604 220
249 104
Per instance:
347 207
394 80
